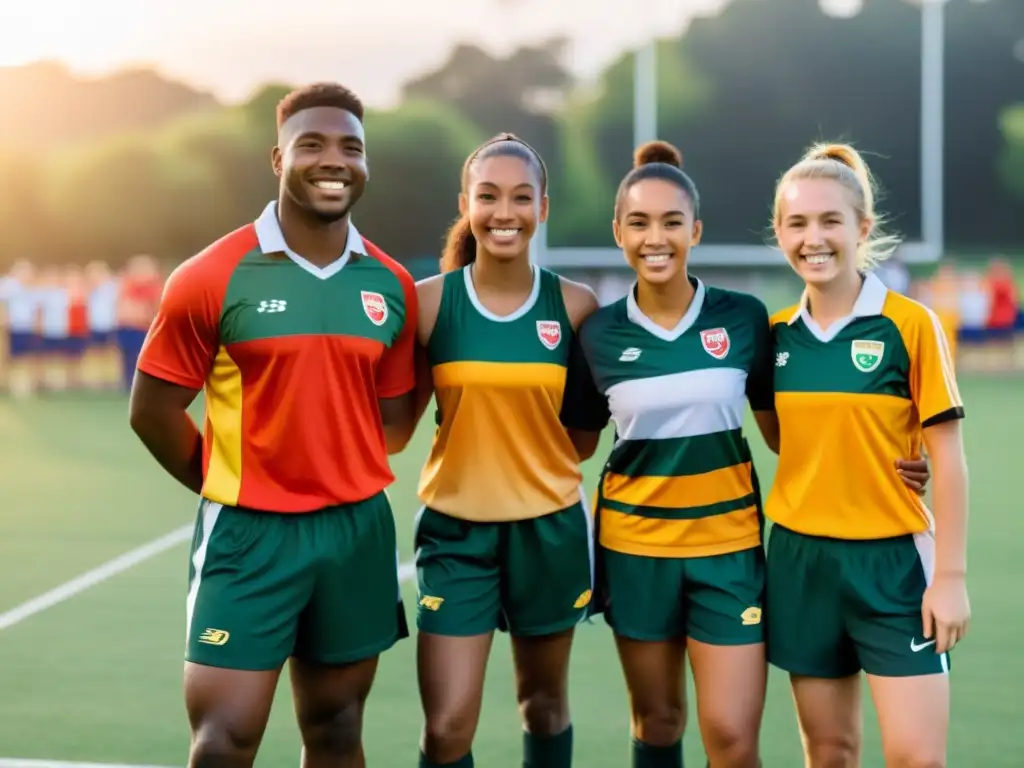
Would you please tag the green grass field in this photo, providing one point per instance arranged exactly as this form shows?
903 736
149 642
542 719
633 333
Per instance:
97 678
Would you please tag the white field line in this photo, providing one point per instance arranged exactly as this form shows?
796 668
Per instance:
108 570
90 579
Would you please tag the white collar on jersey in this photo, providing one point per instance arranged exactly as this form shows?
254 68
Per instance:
634 314
271 238
526 306
870 302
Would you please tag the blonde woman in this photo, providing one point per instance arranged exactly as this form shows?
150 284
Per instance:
860 574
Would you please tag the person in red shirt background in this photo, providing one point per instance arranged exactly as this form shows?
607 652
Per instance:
1005 301
1004 307
78 322
139 298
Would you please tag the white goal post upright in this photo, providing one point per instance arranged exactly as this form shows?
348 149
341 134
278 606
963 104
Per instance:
645 128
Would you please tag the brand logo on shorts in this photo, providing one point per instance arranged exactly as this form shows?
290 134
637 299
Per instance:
375 307
583 600
431 603
214 637
549 332
915 647
716 342
751 616
867 354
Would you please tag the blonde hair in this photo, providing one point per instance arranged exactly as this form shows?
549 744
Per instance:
843 164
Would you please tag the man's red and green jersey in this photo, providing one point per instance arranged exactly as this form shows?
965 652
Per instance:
293 359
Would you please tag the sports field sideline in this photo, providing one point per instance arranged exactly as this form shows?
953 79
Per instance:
94 676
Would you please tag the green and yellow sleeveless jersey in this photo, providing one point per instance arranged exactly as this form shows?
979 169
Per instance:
500 451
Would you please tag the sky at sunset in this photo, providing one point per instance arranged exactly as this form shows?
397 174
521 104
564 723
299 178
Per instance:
231 46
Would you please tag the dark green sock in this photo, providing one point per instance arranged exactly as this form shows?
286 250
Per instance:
649 756
464 762
548 751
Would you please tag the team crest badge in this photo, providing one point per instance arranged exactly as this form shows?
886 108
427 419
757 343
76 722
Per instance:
715 342
867 354
374 306
549 332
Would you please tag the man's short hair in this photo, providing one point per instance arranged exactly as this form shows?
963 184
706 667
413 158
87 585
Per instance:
319 95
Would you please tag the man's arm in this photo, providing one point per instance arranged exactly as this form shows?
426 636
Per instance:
398 416
396 375
176 358
158 414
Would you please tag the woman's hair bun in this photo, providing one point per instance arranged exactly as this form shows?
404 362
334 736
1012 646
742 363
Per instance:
657 152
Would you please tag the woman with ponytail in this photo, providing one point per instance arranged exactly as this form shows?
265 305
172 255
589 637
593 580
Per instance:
504 538
459 247
861 574
681 571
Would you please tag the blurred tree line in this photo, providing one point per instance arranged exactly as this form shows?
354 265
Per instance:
134 163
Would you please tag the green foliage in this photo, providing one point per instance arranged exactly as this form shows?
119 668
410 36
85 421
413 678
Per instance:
1011 161
597 140
414 153
134 163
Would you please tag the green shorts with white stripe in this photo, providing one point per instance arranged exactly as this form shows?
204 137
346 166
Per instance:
835 607
321 586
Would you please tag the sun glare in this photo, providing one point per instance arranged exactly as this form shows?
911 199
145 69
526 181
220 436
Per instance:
86 35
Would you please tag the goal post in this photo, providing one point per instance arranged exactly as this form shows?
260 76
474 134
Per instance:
645 128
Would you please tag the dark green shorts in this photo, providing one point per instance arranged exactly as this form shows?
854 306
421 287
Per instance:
835 607
715 600
322 586
529 577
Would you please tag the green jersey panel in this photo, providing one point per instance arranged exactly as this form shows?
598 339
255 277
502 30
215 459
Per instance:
539 332
270 296
867 357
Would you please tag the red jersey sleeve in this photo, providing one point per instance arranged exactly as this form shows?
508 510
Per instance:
183 339
396 371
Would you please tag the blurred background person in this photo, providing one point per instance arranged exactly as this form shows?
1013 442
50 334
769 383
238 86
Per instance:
100 362
894 274
1003 310
54 327
138 298
78 324
942 294
19 293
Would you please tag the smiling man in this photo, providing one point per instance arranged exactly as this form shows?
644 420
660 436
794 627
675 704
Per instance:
300 332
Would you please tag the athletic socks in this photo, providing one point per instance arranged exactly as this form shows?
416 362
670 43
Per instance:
548 751
538 752
464 762
650 756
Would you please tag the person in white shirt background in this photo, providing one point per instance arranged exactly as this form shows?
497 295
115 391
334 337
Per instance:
100 366
54 317
894 274
20 296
